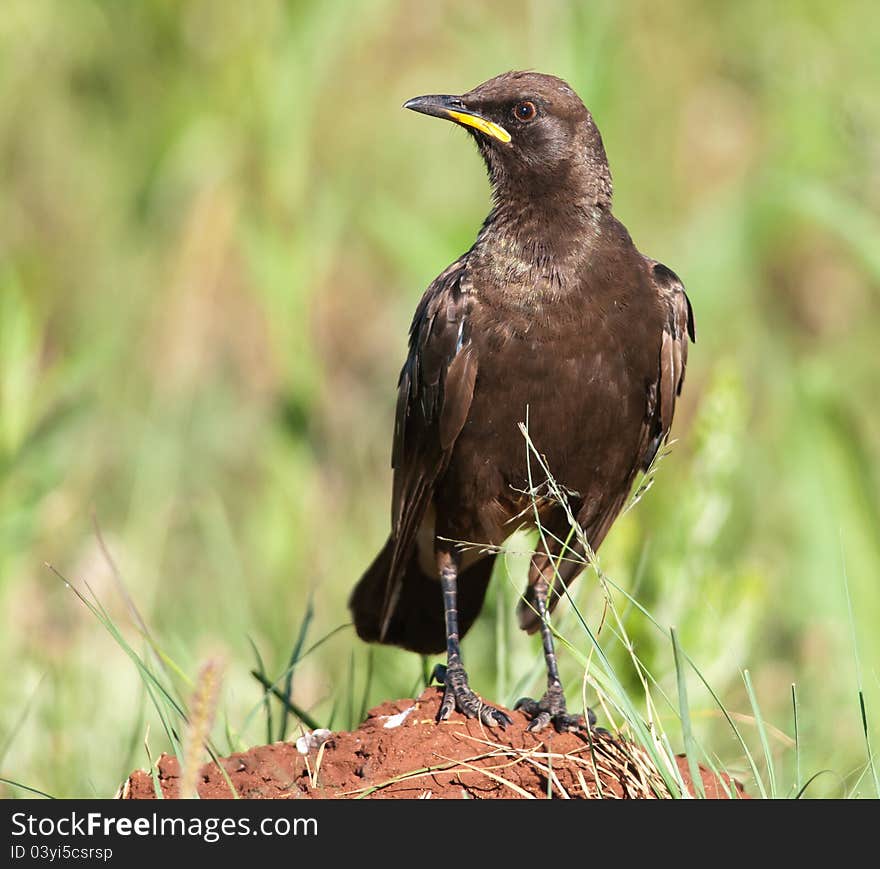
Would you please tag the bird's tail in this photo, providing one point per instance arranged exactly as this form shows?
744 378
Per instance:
417 622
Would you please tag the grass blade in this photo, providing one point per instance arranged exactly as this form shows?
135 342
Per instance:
687 732
10 783
855 644
797 742
762 733
286 705
289 705
261 676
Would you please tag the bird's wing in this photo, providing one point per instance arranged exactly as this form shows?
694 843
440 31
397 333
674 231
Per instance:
433 399
679 327
660 406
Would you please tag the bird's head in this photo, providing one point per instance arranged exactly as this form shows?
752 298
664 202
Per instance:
534 133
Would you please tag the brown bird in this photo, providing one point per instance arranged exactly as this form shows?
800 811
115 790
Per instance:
552 316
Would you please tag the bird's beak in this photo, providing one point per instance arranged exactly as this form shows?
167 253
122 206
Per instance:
453 109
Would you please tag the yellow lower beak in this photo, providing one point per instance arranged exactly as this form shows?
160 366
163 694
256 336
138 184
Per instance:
488 127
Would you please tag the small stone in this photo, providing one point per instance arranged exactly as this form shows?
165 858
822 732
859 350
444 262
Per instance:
396 720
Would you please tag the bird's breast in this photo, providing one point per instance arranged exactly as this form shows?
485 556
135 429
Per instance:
570 379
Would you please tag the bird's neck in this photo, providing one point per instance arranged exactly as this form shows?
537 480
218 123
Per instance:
539 243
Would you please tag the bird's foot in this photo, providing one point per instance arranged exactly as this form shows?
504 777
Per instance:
458 695
551 708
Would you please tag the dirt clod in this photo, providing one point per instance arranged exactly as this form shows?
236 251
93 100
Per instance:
393 755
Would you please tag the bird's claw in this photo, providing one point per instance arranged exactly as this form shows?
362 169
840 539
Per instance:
551 708
458 695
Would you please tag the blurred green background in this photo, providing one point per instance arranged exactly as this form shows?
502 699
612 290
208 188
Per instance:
215 224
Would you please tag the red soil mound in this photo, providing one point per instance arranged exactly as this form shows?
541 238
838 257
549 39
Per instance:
400 752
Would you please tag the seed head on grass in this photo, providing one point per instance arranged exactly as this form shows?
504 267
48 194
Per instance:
203 707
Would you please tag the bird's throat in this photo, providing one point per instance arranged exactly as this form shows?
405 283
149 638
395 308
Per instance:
537 248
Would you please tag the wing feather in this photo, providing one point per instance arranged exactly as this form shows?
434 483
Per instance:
435 391
678 329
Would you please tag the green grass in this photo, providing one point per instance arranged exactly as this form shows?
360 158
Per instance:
215 225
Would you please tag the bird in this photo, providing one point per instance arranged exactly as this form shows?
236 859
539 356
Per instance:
553 317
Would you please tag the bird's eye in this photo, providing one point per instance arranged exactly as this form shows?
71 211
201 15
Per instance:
524 111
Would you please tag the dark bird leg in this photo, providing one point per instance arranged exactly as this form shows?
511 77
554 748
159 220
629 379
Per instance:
457 693
551 707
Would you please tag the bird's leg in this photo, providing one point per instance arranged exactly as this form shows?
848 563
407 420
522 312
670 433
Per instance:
457 693
551 707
